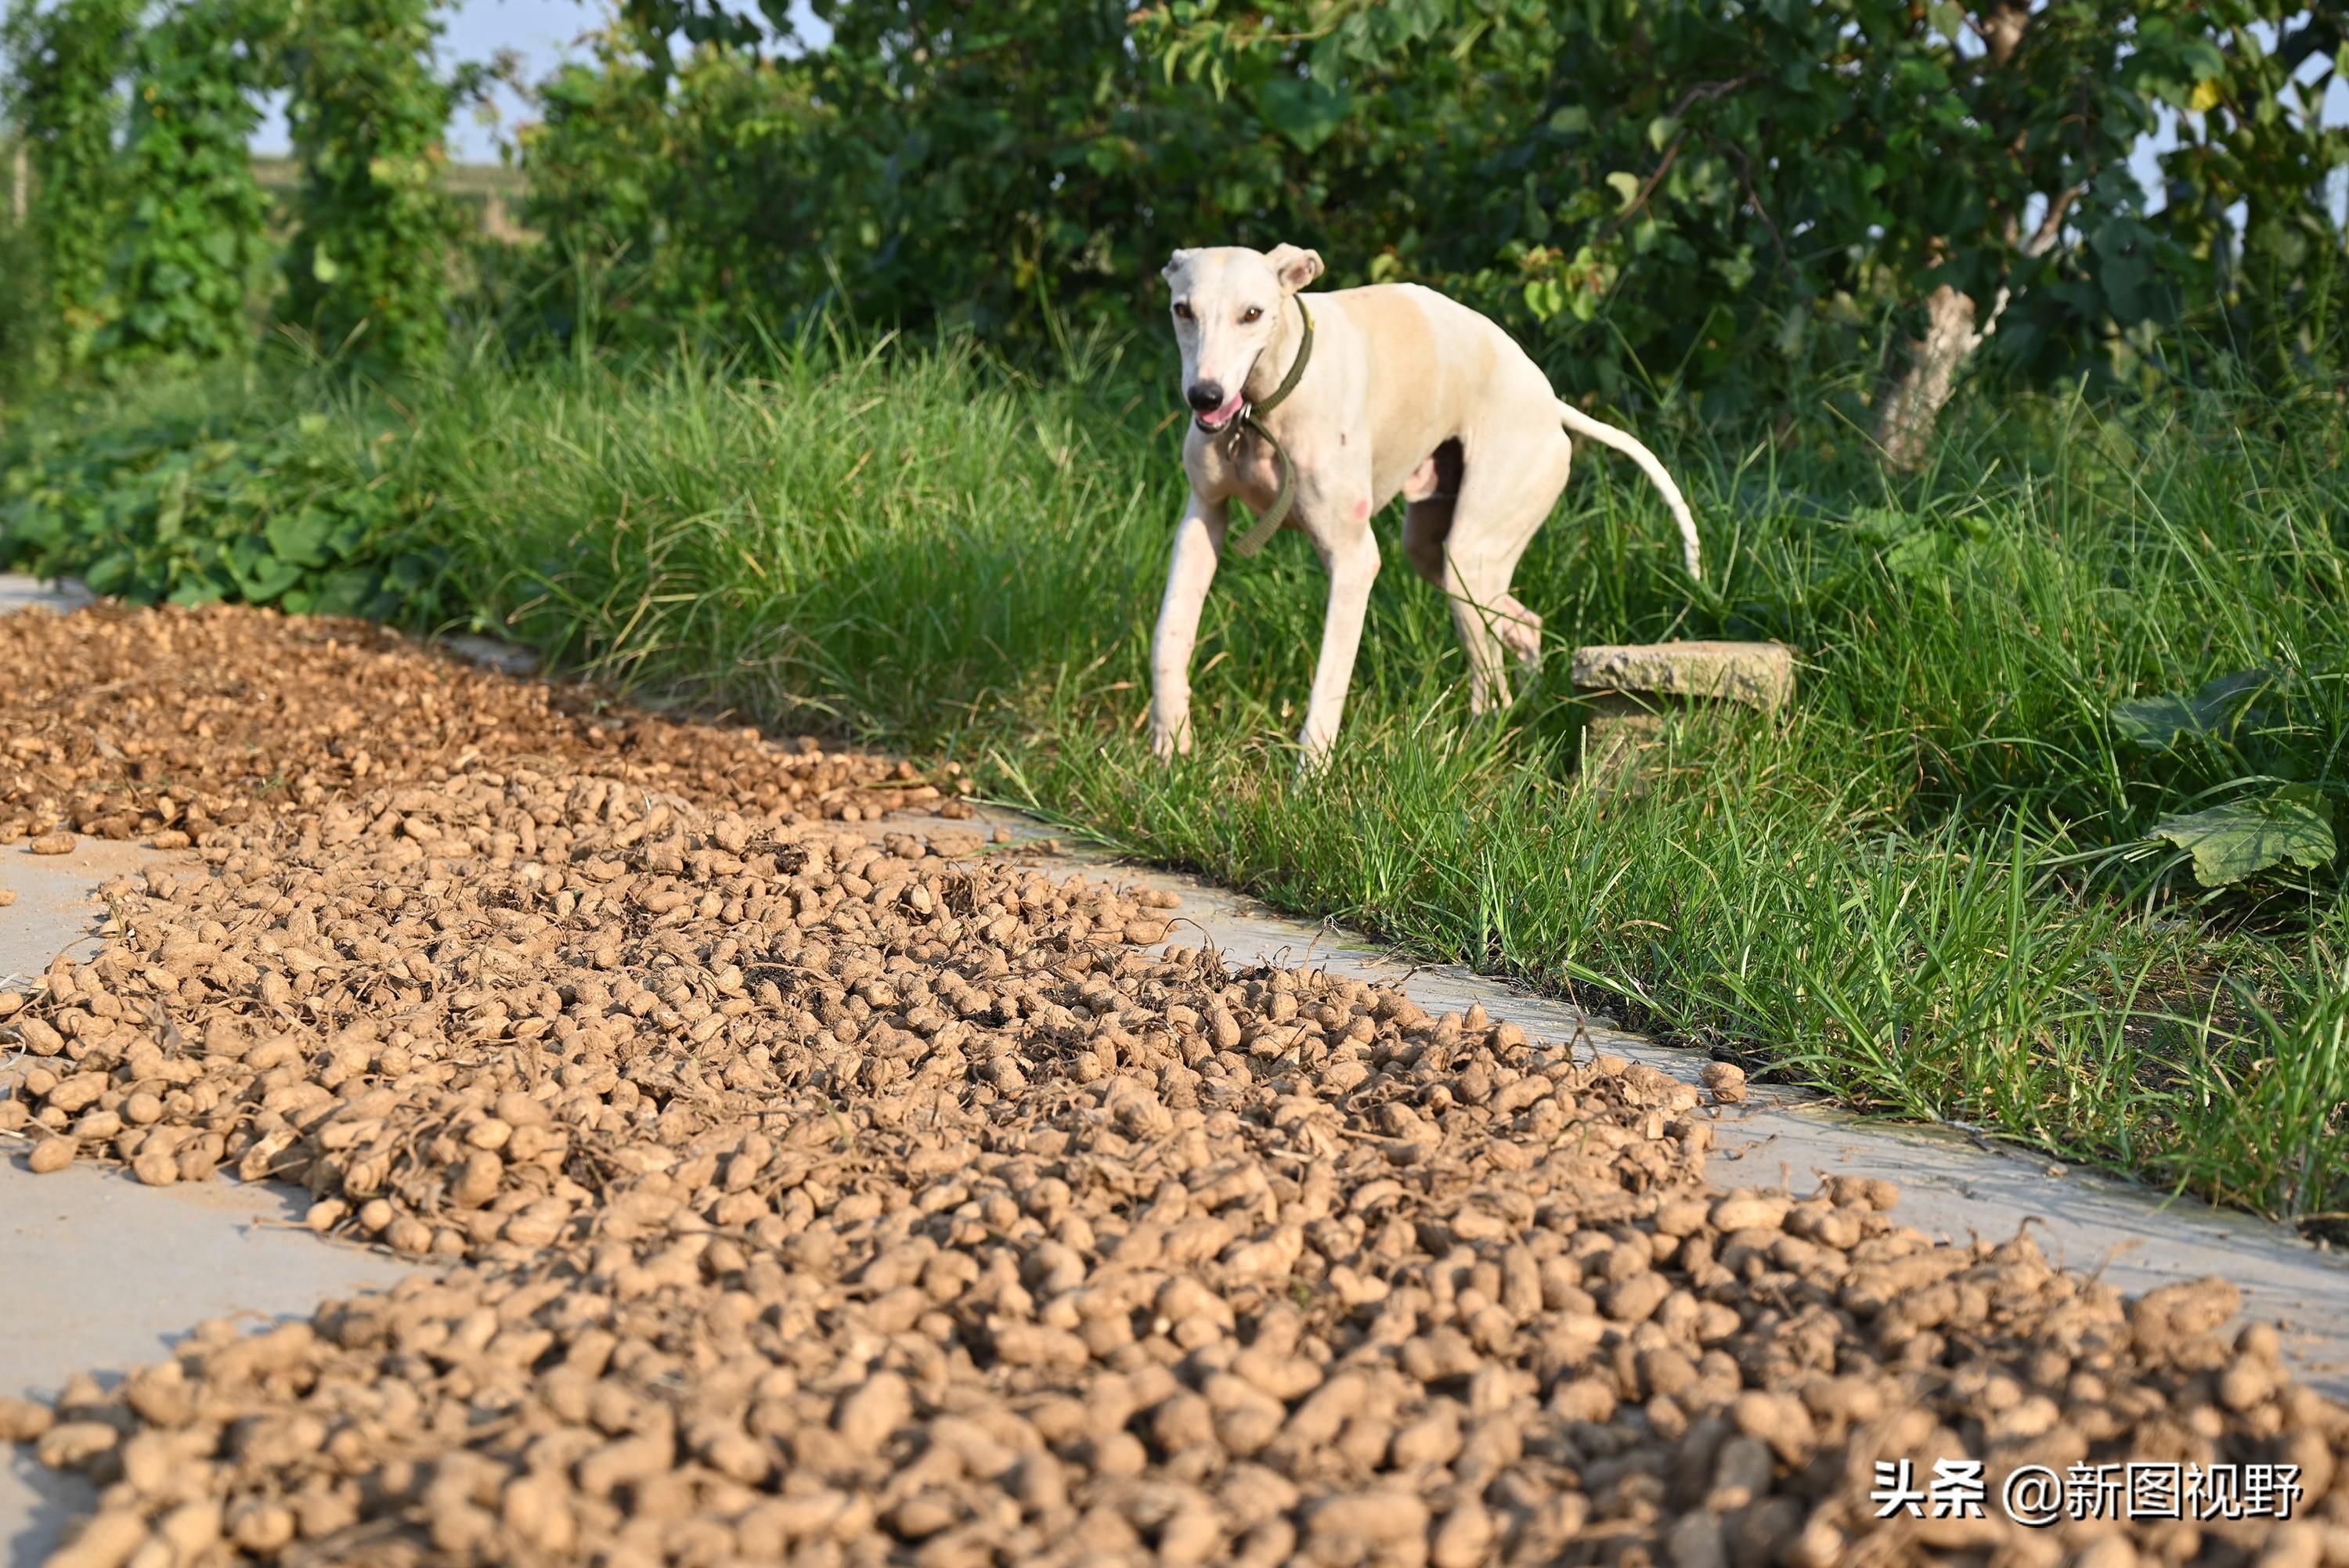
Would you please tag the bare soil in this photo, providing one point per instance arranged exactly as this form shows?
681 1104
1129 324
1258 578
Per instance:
802 1198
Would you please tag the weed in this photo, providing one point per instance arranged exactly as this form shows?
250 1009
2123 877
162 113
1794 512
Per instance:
1948 884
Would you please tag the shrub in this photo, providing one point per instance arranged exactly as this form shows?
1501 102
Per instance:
24 324
1665 198
65 98
677 193
369 267
192 510
194 234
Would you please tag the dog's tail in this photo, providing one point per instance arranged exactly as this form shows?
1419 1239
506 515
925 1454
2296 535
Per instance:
1582 424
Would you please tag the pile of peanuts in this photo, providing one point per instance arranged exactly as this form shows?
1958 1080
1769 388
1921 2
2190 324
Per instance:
787 1192
162 723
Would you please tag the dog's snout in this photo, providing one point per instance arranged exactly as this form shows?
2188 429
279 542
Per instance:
1206 396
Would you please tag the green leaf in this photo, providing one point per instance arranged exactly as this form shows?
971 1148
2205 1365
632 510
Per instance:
345 592
1304 110
172 506
2156 723
259 577
196 590
300 536
345 538
1914 555
1625 186
2242 838
111 574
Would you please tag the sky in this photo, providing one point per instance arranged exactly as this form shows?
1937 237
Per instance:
543 32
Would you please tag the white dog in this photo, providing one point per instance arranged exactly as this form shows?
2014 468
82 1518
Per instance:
1318 410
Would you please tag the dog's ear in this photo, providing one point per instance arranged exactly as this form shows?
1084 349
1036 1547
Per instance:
1175 263
1295 268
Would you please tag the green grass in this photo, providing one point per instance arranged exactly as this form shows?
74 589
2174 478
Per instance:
1928 889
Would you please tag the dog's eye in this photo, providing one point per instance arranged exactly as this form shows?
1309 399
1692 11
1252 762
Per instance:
1182 311
1253 313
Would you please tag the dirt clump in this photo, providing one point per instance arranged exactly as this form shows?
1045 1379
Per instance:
797 1197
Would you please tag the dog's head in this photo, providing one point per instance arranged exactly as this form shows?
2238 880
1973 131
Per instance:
1227 305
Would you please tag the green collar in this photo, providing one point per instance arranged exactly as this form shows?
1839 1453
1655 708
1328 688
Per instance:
1285 501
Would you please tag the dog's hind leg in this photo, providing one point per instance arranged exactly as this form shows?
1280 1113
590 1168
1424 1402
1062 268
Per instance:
1501 506
1519 630
1477 590
1432 493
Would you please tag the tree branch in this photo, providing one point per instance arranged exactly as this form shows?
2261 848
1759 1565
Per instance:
1688 99
2001 29
1615 224
1745 178
2051 227
2042 239
1713 90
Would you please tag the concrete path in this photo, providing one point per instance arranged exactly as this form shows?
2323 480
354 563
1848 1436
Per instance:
226 1248
18 591
105 1275
58 907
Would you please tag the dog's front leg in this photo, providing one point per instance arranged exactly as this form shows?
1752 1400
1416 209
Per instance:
1353 564
1198 541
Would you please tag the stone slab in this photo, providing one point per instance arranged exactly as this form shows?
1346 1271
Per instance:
491 654
1615 751
1757 674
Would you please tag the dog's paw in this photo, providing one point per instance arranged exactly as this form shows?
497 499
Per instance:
1170 742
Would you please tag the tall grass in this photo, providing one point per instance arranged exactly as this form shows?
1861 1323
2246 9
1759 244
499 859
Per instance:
1925 889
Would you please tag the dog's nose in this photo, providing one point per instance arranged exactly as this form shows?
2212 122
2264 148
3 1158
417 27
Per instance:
1206 396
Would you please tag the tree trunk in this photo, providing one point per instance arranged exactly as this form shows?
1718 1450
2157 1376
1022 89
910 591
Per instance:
1912 406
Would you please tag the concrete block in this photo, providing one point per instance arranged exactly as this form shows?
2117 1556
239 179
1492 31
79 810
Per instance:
490 654
1756 674
1637 691
1616 747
